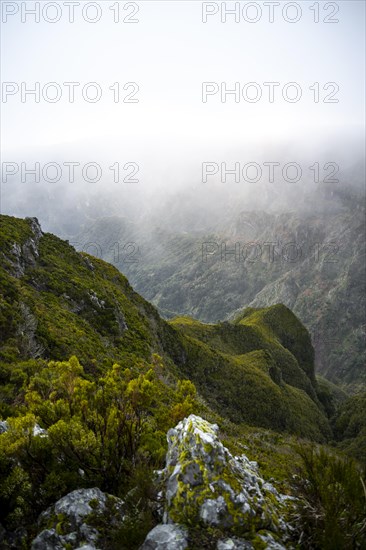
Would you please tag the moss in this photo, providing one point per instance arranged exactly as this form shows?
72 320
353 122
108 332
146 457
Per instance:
94 503
59 522
258 543
59 529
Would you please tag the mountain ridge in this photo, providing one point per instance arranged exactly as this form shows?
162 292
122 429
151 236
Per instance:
73 304
328 276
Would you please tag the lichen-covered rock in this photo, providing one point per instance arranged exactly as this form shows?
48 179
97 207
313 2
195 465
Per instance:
205 484
166 537
69 522
234 543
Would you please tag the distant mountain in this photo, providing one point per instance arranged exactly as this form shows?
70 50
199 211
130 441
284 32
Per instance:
314 264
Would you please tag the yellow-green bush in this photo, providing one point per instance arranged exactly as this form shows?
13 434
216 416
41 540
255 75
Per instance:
98 432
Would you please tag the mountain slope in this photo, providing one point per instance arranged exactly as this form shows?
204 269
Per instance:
56 302
67 426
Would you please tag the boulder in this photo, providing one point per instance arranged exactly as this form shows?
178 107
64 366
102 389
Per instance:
234 543
69 522
205 485
166 537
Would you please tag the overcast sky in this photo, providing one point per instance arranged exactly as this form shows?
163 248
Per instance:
169 53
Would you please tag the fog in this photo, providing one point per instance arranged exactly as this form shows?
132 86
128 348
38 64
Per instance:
174 144
183 188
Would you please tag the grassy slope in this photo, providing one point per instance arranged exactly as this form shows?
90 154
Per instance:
243 364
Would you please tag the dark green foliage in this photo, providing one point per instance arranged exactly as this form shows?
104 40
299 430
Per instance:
240 364
349 425
204 539
280 323
140 505
330 395
332 505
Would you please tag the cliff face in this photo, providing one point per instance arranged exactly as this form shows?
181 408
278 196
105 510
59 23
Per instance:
327 292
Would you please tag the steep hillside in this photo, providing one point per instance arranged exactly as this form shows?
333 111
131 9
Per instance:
57 303
349 424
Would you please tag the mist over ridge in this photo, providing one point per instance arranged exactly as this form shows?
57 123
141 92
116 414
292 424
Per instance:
167 184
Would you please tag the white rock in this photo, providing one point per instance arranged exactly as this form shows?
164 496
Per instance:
204 482
76 531
234 544
166 537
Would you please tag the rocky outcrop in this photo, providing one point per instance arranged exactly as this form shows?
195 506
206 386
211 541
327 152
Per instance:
4 426
204 484
26 334
25 255
205 489
70 523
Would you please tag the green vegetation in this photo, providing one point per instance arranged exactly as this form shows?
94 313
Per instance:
349 425
89 360
263 356
330 395
332 511
99 433
324 287
58 303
